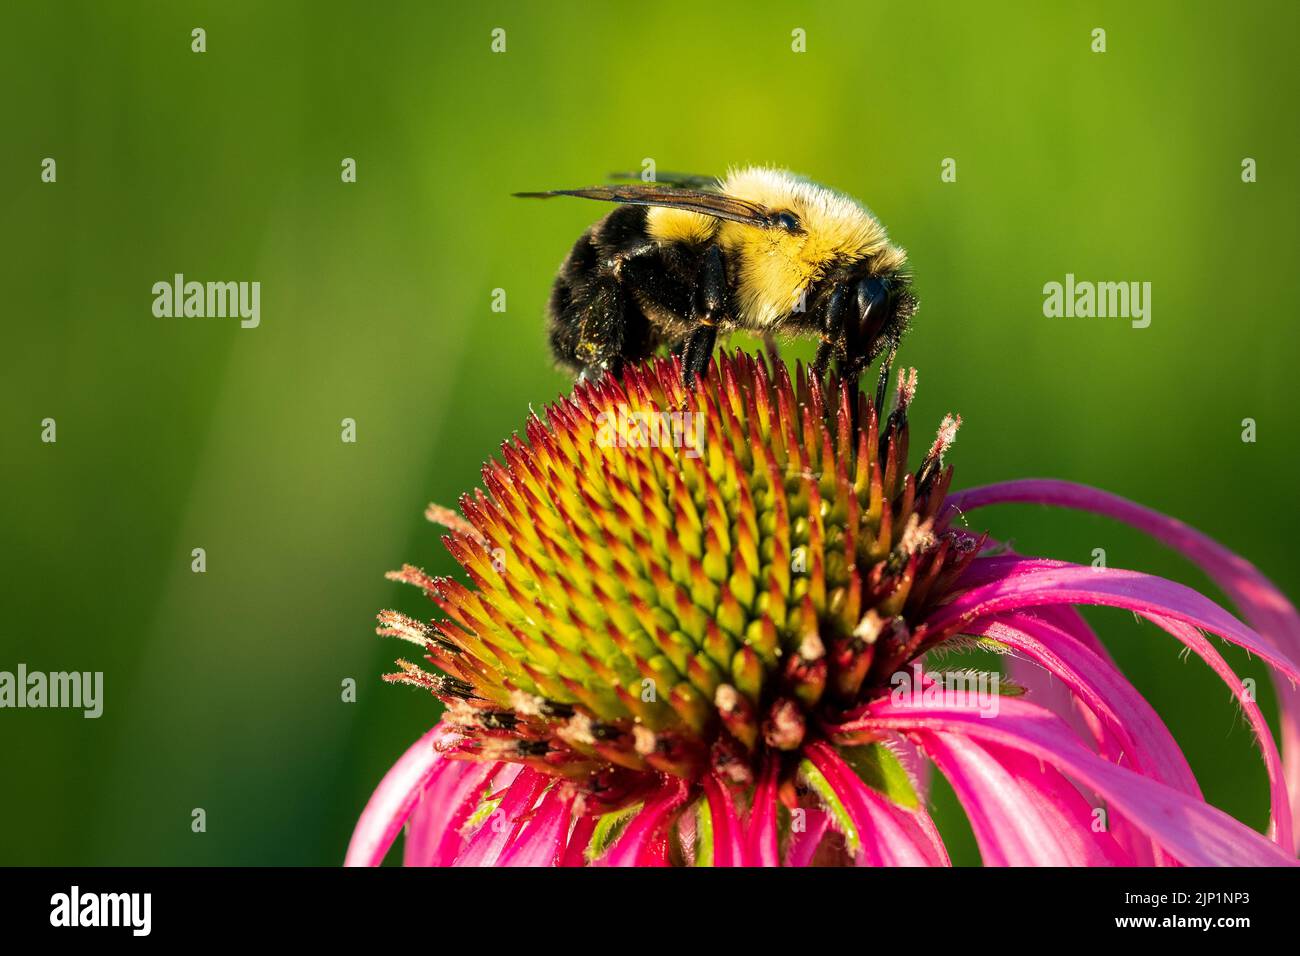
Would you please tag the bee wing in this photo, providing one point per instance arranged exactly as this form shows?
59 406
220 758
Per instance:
680 180
705 202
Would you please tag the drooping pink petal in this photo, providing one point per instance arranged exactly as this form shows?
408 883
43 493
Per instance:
1070 621
902 837
1160 601
890 835
1259 599
433 833
1022 812
1280 819
1057 582
806 835
926 834
395 798
998 567
655 852
1140 847
499 830
637 844
1131 729
1261 603
761 831
1127 728
1046 689
575 852
542 840
728 841
1194 832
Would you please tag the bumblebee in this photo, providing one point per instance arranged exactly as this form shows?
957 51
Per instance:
761 250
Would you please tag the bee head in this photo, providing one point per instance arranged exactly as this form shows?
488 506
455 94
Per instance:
885 303
812 233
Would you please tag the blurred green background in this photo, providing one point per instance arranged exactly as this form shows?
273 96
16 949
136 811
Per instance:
223 689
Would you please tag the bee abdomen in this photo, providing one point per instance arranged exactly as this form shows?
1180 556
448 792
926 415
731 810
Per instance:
595 322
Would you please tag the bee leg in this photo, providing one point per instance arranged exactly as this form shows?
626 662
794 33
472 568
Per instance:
822 360
596 325
772 349
710 305
599 334
595 329
835 329
698 351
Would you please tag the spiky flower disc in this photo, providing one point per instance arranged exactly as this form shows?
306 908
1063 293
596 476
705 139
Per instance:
694 631
685 581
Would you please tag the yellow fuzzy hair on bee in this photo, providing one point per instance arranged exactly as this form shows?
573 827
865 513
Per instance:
776 268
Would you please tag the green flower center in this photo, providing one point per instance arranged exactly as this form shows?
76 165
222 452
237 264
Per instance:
673 580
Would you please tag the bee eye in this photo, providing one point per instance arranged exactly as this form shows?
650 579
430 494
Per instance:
787 221
872 294
873 313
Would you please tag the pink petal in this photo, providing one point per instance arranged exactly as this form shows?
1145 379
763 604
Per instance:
636 846
890 835
395 798
1280 821
1193 832
803 843
1249 589
433 833
1130 725
762 832
1056 582
1160 601
1262 604
1022 812
543 838
575 853
728 845
655 853
1127 728
503 825
999 567
1046 689
1070 622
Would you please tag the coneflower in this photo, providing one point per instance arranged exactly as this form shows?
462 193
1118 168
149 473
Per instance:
695 632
